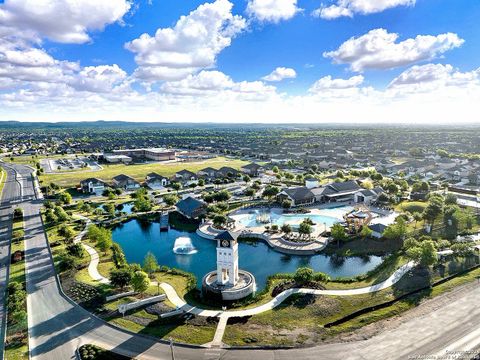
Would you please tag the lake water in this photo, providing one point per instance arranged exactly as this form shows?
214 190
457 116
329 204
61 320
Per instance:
139 237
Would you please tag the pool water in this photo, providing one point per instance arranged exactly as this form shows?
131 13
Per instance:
328 217
138 237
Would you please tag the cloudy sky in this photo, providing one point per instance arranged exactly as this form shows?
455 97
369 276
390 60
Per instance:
255 61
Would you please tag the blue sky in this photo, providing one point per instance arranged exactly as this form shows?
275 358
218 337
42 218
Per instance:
295 41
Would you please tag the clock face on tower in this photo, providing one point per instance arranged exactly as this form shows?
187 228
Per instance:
225 243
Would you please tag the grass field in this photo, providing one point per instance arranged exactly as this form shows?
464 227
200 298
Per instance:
138 171
16 333
3 179
300 319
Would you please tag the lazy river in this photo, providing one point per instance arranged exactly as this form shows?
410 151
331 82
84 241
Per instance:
138 237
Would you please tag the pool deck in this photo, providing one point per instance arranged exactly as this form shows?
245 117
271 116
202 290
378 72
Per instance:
274 240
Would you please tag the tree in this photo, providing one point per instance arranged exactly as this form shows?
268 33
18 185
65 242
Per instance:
338 233
109 209
143 204
433 209
219 220
121 278
201 182
76 250
176 186
286 204
246 178
275 169
305 228
50 216
222 195
61 214
170 199
249 192
18 213
150 263
102 236
286 228
424 253
451 199
65 198
67 232
303 275
270 192
366 232
396 231
140 281
417 217
67 261
118 256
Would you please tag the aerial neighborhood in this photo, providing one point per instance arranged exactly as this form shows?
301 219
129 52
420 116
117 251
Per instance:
236 220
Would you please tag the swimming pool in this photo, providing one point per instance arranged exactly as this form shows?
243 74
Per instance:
276 217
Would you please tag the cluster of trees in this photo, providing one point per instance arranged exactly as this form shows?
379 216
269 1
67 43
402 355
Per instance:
55 214
16 302
142 202
133 275
423 250
111 194
218 196
306 275
101 236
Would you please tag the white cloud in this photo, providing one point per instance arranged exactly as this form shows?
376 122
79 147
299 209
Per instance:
281 73
191 45
65 21
272 10
102 78
378 49
218 87
327 83
434 78
350 7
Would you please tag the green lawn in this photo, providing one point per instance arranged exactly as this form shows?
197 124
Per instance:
138 171
3 179
17 333
300 319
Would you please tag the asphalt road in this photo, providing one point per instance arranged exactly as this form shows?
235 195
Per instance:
57 326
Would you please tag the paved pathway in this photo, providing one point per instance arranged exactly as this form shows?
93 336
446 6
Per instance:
94 257
276 301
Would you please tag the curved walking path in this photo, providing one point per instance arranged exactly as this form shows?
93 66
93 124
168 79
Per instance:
94 257
276 301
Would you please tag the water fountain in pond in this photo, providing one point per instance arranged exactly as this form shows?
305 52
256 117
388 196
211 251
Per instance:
183 246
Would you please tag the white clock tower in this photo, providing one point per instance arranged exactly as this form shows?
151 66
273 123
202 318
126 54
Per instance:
227 258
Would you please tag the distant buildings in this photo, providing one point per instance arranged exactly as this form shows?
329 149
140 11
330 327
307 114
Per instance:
154 154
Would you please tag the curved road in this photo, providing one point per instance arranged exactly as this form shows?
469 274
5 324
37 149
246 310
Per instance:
57 326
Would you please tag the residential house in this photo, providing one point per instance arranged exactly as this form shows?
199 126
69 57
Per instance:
185 177
125 182
226 171
208 174
92 186
252 169
156 181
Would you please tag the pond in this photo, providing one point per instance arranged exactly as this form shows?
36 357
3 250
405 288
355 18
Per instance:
138 237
